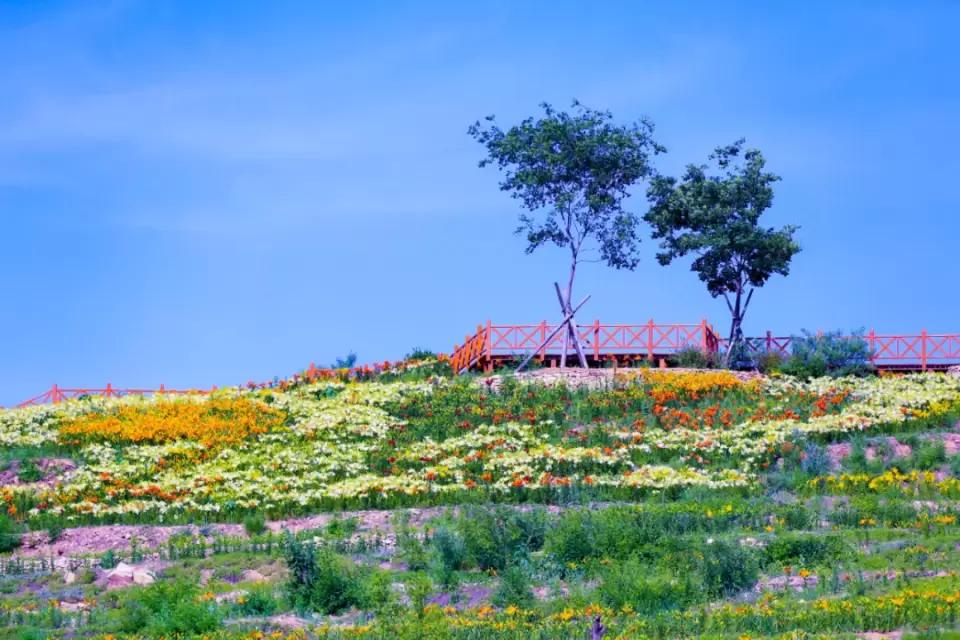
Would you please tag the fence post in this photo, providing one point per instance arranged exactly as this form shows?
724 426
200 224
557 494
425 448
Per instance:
769 341
55 394
489 348
923 350
650 340
871 339
596 341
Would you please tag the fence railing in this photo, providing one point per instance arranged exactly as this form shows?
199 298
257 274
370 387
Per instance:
921 350
598 340
493 341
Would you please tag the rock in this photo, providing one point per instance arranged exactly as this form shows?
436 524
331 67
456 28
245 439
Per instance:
954 371
69 577
143 577
118 581
124 575
252 575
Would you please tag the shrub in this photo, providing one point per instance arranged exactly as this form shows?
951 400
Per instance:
815 460
108 560
410 548
29 472
255 524
628 584
419 588
514 588
492 537
695 358
259 601
727 567
804 549
768 362
9 534
167 609
930 454
320 579
829 354
571 539
418 353
449 553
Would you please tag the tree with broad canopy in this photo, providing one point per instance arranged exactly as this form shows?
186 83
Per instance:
717 219
579 167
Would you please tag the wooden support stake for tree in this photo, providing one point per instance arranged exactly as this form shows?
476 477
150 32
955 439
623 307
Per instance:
572 324
563 324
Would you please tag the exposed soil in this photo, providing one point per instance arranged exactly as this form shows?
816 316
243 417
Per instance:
53 470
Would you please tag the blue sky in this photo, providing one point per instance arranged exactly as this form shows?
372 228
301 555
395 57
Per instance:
207 193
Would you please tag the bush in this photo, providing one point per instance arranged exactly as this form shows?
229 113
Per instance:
804 549
321 580
255 524
768 362
29 472
727 568
449 554
410 548
418 353
514 588
9 534
829 354
695 358
815 460
419 589
571 539
167 609
492 537
260 601
628 584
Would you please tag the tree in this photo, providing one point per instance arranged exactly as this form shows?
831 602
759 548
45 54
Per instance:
717 218
578 167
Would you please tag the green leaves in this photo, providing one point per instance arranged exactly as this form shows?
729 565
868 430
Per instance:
579 166
717 218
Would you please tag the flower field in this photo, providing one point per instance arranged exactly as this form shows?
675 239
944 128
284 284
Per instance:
664 504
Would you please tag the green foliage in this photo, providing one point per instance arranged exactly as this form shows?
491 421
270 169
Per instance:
410 548
108 560
514 588
717 219
321 580
815 460
578 166
491 537
828 354
695 358
347 362
29 471
9 534
768 362
255 524
727 567
259 601
805 549
418 353
450 554
169 608
630 583
419 588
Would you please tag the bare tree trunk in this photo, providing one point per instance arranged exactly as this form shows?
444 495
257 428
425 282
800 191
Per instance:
737 311
563 307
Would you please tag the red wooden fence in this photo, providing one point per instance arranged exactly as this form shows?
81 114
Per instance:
493 342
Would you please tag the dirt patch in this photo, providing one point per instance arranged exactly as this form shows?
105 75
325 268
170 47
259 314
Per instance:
51 470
